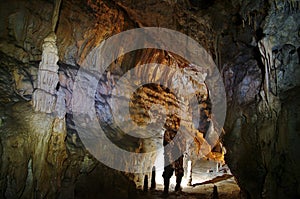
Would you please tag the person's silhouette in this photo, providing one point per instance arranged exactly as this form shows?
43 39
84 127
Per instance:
173 158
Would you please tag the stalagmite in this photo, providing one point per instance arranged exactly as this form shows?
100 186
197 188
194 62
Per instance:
189 173
44 96
48 98
215 194
146 183
153 176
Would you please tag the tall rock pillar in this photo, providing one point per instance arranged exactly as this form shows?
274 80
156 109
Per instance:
44 97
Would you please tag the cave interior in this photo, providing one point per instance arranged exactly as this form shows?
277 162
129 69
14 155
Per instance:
89 87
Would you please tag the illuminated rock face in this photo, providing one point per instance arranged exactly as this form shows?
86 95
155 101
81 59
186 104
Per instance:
255 45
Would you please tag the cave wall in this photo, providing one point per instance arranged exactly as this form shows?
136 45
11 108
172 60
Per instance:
39 160
259 99
255 44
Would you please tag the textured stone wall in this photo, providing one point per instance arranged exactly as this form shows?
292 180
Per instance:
255 44
40 158
259 85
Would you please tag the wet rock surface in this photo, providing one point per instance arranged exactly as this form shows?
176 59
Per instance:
255 45
33 153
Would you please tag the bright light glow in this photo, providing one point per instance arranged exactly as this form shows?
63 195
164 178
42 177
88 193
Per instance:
159 165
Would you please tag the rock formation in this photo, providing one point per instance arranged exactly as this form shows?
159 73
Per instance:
44 97
255 45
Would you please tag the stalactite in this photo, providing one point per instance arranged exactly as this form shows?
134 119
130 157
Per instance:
44 97
291 6
249 19
55 15
254 22
266 61
216 49
275 5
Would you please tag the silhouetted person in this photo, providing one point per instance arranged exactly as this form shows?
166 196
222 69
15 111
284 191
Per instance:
171 153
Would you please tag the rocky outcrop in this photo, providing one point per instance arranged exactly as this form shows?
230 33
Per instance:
256 129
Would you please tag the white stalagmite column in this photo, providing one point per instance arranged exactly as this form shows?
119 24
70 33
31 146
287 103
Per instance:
47 98
44 97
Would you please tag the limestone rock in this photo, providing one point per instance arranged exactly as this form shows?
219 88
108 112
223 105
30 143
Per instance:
43 102
44 98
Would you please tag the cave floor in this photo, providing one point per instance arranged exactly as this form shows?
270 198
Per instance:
203 183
